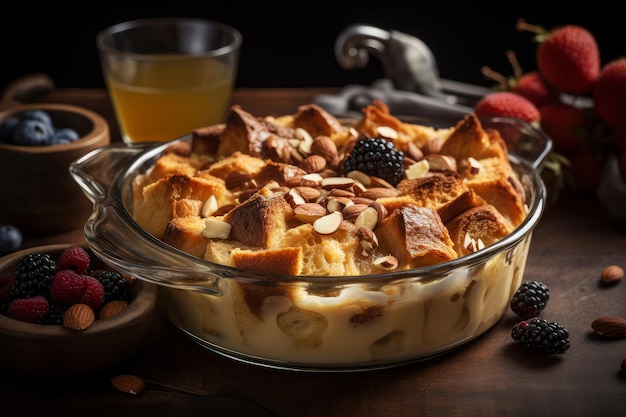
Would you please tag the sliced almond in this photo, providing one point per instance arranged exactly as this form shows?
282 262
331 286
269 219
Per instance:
367 218
294 197
387 263
360 176
311 180
329 223
209 207
216 229
439 162
387 132
417 170
78 317
337 182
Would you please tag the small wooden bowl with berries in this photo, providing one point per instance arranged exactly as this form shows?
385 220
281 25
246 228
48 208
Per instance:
38 142
64 313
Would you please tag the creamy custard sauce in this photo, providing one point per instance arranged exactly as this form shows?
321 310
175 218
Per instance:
355 326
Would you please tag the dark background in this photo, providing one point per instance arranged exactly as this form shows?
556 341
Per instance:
293 46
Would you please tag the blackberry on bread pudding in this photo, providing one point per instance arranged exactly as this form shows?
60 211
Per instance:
286 194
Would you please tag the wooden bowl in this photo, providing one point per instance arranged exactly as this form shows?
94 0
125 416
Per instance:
45 351
39 195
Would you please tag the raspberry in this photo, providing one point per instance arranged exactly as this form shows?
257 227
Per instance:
31 310
93 295
74 258
530 299
115 286
541 336
68 287
34 275
376 157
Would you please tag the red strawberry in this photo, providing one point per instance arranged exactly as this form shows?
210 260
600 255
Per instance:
93 295
67 287
507 104
74 258
31 310
568 57
532 86
609 93
6 283
566 125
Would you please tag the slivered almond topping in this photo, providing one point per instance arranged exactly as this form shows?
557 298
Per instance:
209 207
360 176
338 203
309 212
475 165
387 263
367 240
216 229
337 182
294 197
311 180
417 170
380 209
367 218
358 188
387 132
439 162
329 223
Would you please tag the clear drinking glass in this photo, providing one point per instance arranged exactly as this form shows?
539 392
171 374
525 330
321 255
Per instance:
168 76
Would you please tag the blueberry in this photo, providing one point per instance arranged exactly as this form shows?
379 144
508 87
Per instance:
7 129
64 136
10 238
40 115
30 132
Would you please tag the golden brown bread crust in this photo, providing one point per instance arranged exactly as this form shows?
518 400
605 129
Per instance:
260 181
476 228
416 236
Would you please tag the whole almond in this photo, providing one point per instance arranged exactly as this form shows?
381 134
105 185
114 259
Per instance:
325 147
79 317
612 273
313 163
610 326
130 384
112 308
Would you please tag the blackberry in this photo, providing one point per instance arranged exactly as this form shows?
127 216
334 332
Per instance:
55 313
376 157
34 276
530 299
541 336
115 286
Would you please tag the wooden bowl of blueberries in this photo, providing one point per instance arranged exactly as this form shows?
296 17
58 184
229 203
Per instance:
64 313
38 142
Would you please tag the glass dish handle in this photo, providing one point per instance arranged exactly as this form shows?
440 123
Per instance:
114 237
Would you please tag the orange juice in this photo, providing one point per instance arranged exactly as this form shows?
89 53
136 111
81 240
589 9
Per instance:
164 100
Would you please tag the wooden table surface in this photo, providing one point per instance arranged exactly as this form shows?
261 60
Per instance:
491 376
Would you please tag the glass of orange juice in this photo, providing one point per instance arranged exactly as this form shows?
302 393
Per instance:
168 76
